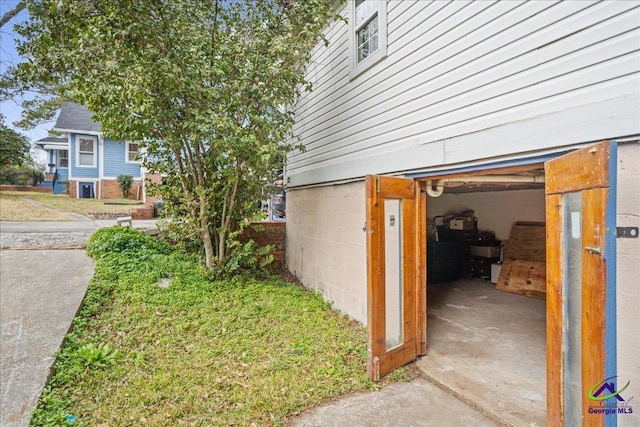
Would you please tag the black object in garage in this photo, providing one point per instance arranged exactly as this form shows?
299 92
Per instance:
481 266
464 238
443 262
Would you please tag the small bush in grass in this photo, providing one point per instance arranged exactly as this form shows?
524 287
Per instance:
92 355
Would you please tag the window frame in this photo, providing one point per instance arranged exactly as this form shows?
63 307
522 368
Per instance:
94 139
127 151
60 158
374 9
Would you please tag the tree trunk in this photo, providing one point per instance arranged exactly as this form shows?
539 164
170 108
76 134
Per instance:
209 253
222 247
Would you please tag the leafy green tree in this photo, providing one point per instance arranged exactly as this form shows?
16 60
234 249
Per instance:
206 86
14 146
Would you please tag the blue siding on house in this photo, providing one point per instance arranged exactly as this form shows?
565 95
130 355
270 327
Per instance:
82 172
115 160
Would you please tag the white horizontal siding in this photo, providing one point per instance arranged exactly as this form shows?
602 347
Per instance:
457 79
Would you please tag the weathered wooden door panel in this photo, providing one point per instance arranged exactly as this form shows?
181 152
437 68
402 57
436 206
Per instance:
577 201
394 296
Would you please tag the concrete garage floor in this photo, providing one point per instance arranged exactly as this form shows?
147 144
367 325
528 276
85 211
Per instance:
487 347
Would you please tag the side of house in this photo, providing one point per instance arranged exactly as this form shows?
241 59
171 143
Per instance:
457 85
425 89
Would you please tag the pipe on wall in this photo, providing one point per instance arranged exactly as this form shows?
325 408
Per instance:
437 192
439 185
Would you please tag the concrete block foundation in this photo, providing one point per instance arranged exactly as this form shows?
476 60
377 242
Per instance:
326 244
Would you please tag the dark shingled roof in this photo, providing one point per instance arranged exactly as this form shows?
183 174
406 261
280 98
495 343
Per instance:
76 117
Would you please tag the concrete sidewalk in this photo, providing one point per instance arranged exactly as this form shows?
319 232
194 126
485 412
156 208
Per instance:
40 292
79 225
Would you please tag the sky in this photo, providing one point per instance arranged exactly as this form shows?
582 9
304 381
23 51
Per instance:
9 56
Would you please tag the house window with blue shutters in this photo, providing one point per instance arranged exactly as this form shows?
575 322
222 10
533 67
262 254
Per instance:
86 151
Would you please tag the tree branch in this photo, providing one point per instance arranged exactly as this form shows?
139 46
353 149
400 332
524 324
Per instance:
9 15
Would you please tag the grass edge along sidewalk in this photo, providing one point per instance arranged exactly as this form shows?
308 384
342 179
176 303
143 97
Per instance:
198 352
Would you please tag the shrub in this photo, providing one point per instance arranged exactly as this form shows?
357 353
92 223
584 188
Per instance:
123 240
124 183
20 175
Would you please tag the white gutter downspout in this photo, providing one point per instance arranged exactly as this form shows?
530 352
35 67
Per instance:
100 165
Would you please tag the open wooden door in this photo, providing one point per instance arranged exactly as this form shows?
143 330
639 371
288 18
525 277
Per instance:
580 210
395 270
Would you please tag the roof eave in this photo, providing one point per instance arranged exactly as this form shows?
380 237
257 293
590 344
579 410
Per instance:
82 131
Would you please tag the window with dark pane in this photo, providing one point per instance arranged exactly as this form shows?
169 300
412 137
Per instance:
63 158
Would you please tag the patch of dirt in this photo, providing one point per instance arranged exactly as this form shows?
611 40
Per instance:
288 277
413 371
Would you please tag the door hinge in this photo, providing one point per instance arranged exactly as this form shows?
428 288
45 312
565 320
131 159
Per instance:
593 250
378 185
627 232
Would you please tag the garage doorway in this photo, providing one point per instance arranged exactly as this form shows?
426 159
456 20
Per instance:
486 337
578 205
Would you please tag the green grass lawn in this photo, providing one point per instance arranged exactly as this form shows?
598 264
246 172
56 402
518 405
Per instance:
84 206
244 352
16 209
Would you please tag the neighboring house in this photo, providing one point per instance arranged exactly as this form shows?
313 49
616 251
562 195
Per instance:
87 160
459 101
56 174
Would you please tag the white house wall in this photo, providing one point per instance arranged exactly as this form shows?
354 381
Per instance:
464 81
627 273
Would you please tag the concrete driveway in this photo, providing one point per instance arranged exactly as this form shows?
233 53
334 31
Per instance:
40 292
